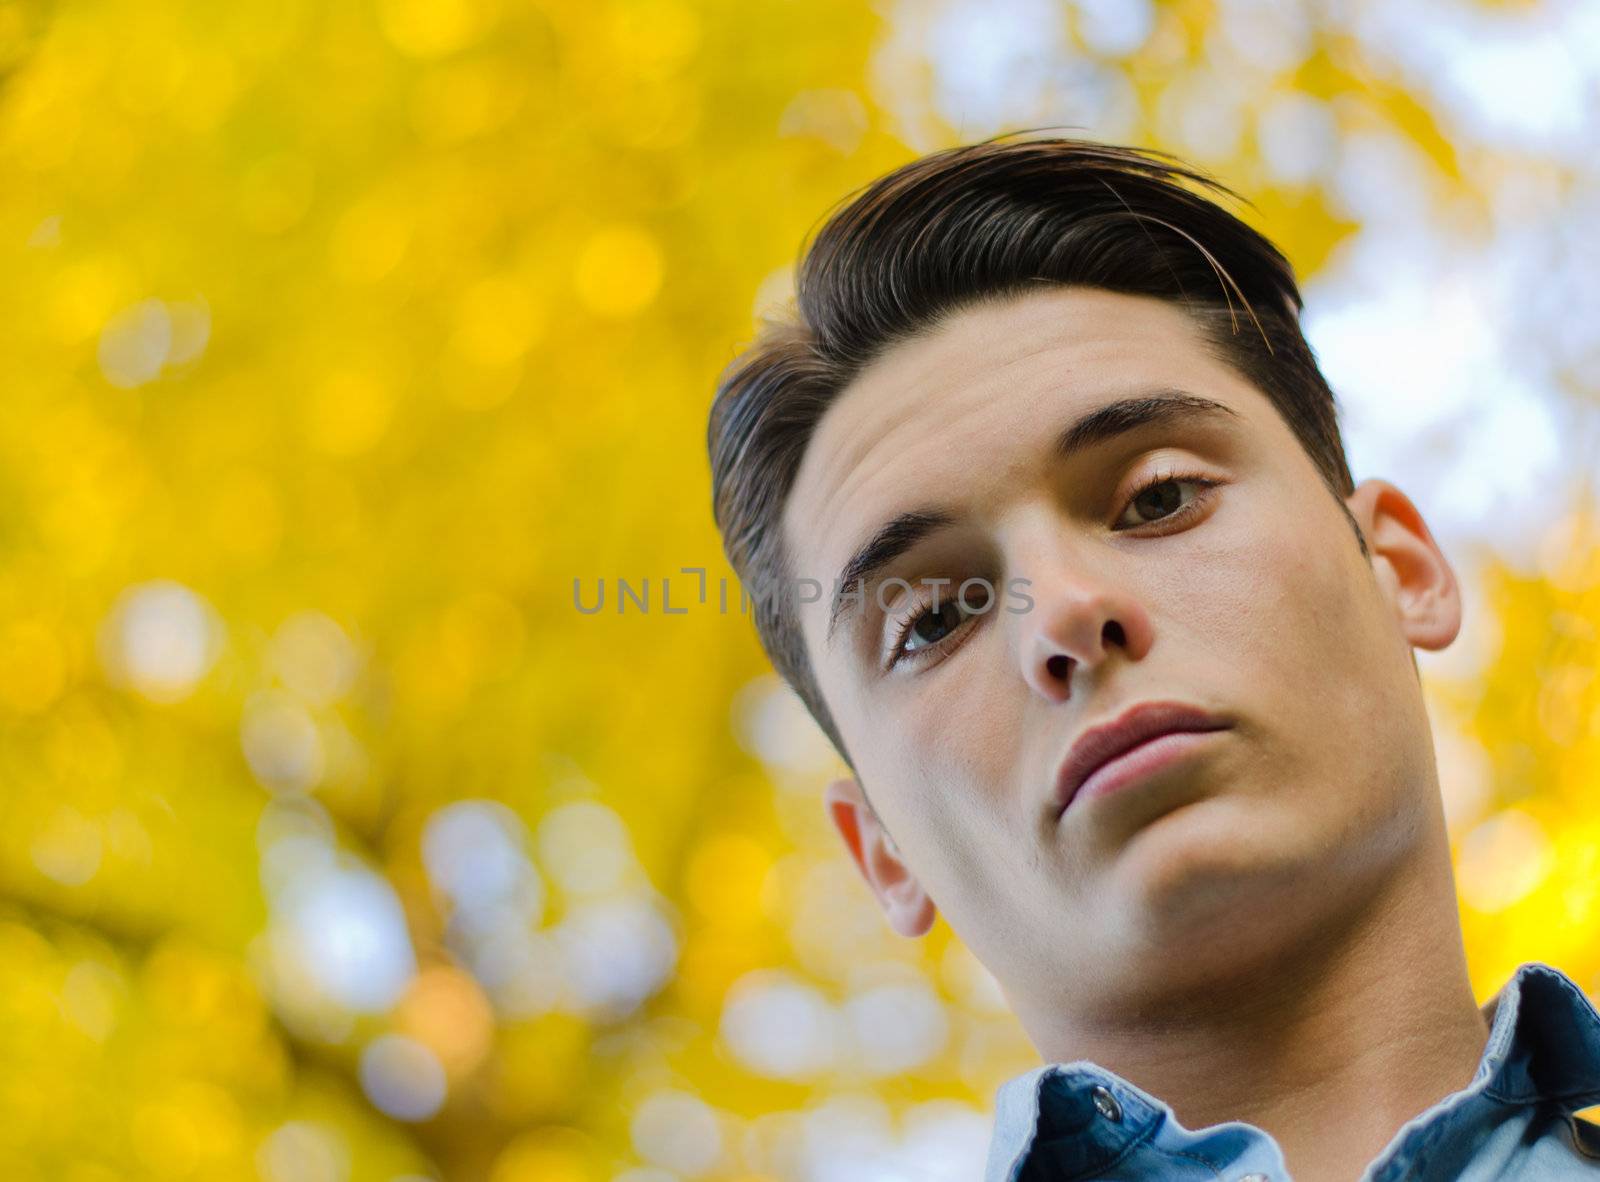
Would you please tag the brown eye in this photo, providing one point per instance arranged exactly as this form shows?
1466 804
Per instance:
1161 499
933 626
926 627
1158 500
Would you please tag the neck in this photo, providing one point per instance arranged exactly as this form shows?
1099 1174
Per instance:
1329 1047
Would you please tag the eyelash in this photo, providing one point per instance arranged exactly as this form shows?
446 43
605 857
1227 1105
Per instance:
898 653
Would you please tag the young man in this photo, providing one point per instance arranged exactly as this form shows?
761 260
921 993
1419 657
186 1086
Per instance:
1045 512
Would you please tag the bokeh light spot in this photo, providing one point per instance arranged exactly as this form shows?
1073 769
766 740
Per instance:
619 271
433 28
160 639
1502 860
779 1026
402 1077
677 1130
281 742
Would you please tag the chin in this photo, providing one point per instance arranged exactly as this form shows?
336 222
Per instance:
1214 877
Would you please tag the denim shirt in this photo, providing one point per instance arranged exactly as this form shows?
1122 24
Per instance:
1512 1123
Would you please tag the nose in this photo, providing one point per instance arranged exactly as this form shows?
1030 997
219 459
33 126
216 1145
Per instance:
1082 613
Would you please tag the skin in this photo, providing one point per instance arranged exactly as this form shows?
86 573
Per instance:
1263 930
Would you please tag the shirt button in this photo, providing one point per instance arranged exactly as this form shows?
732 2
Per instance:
1255 1178
1107 1104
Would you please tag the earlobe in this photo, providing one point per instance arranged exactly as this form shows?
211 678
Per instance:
906 905
1415 575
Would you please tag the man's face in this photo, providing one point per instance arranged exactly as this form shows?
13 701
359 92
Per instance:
1239 588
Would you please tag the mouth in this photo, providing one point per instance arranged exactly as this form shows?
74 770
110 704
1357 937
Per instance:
1131 748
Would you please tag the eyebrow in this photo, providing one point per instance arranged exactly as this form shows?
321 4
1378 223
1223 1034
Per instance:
1158 407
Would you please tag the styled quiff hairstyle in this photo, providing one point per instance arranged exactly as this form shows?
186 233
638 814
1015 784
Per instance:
980 223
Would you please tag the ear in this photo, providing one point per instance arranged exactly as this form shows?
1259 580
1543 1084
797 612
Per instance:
1412 570
910 911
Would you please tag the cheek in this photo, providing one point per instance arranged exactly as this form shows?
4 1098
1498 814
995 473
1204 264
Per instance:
1343 643
1276 617
1298 632
949 775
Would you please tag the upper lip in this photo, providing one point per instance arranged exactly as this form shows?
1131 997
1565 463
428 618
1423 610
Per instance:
1099 745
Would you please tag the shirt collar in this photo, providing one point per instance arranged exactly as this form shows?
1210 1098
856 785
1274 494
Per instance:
1055 1111
1544 1044
1544 1041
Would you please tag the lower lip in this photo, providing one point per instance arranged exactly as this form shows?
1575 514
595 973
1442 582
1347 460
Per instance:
1141 762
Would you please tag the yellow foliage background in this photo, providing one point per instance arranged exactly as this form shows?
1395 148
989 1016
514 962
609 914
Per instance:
338 339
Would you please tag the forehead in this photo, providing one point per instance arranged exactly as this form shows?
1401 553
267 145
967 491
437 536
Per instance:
972 401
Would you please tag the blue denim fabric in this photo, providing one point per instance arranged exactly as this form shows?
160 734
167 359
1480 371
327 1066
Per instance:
1512 1123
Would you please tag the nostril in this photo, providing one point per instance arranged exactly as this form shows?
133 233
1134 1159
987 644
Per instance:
1057 666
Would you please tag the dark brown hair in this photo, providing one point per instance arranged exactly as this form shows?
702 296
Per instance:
975 223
